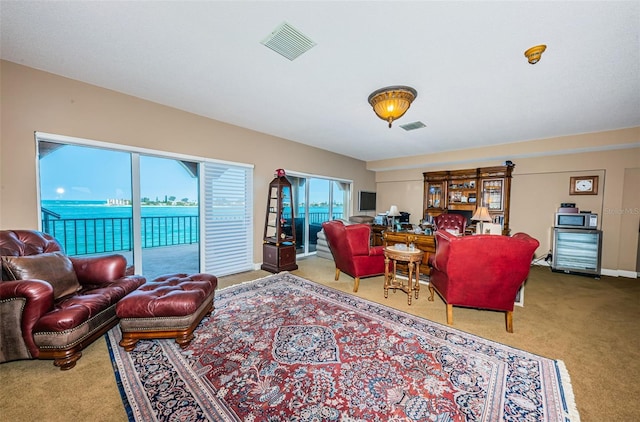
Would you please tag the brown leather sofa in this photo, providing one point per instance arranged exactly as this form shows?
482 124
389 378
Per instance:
53 306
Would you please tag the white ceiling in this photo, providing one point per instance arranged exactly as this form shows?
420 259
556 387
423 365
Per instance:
465 59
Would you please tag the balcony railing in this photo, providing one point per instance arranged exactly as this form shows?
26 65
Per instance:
83 236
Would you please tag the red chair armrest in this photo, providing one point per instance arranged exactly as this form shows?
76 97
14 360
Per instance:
376 250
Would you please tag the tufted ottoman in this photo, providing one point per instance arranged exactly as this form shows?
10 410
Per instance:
170 306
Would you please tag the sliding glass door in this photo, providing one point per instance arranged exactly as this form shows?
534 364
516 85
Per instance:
169 214
86 198
319 200
96 200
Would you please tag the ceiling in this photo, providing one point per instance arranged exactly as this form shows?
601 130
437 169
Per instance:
465 59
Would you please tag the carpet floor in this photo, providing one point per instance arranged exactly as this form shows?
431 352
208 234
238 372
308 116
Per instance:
283 348
592 325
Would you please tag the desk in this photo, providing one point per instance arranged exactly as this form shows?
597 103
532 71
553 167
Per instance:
412 257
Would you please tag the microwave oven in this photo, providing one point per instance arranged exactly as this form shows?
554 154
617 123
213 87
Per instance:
576 220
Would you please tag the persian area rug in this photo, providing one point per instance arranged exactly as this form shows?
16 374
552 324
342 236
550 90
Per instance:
283 348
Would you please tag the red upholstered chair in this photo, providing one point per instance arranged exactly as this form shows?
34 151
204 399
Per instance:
352 253
481 271
451 221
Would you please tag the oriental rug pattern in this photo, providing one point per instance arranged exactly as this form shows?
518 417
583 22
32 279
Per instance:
283 348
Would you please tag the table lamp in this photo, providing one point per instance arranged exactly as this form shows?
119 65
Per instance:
393 213
481 215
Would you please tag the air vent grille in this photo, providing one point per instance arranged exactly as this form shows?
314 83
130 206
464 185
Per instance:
413 126
288 41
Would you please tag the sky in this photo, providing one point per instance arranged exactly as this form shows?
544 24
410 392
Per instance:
82 173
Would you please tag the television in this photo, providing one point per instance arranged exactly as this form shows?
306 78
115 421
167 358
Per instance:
366 201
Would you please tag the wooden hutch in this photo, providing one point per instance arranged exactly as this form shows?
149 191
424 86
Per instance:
462 191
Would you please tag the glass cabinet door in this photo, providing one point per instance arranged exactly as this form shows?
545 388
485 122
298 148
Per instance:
493 194
435 195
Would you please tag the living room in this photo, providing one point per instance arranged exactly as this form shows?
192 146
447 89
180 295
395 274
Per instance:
37 100
540 180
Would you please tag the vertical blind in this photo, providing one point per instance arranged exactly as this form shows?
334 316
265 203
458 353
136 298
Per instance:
228 218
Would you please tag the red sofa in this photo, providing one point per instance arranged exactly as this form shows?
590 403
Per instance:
53 306
480 271
351 250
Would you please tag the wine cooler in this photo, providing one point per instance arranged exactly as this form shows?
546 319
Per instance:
577 251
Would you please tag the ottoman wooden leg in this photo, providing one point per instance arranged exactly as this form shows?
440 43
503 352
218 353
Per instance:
185 340
128 343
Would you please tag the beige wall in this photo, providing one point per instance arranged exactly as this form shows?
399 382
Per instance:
37 101
32 100
541 183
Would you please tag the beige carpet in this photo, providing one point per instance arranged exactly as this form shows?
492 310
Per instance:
592 325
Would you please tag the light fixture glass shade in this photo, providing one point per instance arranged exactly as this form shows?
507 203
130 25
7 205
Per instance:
392 102
393 211
534 54
481 214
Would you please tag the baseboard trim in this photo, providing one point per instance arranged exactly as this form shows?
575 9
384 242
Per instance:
619 273
603 271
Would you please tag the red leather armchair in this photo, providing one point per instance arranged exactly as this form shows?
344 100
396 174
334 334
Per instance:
352 253
450 221
53 306
481 271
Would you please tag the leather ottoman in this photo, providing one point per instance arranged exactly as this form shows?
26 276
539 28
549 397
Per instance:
170 306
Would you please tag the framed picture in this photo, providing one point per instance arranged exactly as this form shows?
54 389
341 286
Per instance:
583 185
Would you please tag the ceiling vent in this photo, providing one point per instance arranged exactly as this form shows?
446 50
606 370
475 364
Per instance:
413 126
288 41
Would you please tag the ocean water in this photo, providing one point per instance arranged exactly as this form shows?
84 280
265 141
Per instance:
100 209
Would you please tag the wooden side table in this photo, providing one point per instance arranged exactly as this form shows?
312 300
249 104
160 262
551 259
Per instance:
412 257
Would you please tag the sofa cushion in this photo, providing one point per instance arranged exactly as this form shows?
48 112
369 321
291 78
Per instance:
54 268
362 219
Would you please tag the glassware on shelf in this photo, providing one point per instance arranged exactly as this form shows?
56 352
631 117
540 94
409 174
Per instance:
492 194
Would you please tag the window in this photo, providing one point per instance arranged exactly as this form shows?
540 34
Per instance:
99 198
318 200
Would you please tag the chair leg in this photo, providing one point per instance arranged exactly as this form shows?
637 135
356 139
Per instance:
356 285
449 314
337 274
509 318
432 291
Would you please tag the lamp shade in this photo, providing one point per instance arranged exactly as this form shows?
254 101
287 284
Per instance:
481 214
393 211
392 102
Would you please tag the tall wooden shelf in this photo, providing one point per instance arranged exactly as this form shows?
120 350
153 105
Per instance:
462 191
279 240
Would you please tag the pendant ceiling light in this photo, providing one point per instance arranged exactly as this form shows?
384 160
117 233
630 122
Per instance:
392 102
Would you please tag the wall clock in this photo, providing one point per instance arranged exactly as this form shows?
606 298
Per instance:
583 185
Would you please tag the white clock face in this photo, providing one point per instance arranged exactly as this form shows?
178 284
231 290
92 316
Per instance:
584 185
